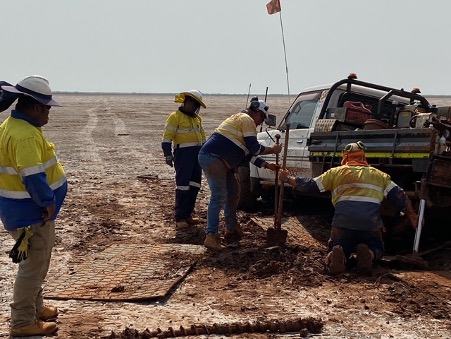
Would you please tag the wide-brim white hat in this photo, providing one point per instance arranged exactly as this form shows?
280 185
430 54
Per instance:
35 86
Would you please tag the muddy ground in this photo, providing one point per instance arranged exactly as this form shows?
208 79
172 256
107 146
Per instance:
121 192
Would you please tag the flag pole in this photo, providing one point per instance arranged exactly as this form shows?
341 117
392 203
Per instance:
248 93
285 55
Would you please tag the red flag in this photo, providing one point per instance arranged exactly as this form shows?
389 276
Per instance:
273 6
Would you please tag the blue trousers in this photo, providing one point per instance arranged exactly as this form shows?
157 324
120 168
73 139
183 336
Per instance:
188 176
349 239
224 192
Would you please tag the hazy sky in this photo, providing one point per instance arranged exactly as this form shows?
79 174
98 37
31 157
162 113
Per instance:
222 46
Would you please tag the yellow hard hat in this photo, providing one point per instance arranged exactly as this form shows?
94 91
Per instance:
194 93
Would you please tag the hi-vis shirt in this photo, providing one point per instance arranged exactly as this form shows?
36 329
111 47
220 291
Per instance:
31 177
182 130
235 139
357 193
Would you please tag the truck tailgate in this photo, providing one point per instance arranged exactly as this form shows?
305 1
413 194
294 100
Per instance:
391 143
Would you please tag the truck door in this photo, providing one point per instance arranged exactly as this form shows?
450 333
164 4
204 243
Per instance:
301 119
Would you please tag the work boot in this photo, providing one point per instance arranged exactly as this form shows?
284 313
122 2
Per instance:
213 242
336 260
37 328
234 235
181 224
364 258
192 220
47 313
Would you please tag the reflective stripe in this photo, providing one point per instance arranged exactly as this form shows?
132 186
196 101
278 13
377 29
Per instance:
344 187
25 194
8 170
186 188
358 198
249 134
188 144
389 187
32 170
168 141
234 132
235 141
14 194
319 184
171 128
58 184
240 145
385 155
194 184
39 168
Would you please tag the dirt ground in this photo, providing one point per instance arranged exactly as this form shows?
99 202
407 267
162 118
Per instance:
121 192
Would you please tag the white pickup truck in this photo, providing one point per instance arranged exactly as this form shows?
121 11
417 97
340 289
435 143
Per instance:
404 134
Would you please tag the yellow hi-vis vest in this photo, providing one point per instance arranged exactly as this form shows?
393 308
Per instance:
355 183
183 130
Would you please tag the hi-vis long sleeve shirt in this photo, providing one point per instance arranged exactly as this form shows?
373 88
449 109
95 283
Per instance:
234 140
31 177
357 192
182 130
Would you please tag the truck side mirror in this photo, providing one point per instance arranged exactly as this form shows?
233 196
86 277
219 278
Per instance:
271 120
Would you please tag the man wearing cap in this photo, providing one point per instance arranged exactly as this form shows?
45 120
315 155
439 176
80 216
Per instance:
234 141
33 186
183 137
357 192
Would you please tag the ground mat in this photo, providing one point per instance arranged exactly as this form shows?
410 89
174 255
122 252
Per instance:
125 272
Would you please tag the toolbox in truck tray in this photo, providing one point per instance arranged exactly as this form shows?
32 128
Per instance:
352 112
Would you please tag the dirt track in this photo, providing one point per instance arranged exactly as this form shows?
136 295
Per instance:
121 192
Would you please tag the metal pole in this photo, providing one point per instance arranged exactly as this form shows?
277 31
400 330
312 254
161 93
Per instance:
416 242
285 54
248 93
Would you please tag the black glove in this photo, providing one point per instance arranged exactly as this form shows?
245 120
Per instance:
19 251
169 160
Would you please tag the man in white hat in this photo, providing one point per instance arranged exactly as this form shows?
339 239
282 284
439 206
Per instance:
357 192
33 186
183 137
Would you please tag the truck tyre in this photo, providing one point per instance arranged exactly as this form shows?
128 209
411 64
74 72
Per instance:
246 201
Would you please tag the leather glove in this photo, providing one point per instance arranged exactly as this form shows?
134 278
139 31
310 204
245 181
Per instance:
19 251
169 160
413 218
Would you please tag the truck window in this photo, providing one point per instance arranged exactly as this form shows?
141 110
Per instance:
302 112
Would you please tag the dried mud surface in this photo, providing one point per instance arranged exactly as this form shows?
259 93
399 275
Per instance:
122 192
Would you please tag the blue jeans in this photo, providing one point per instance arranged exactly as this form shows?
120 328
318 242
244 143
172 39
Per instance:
224 192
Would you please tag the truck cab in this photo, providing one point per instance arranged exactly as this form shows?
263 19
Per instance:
397 127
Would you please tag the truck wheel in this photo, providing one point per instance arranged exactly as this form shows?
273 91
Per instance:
246 201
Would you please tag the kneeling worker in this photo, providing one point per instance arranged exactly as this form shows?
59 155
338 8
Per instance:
357 192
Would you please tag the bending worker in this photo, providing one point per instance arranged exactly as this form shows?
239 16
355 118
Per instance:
234 141
184 133
357 192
